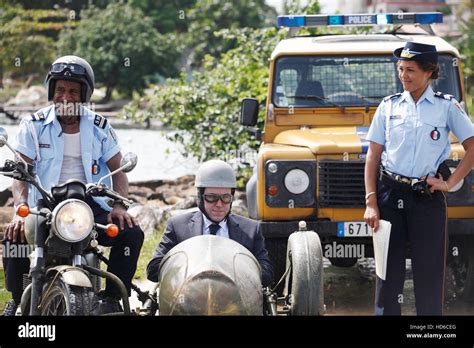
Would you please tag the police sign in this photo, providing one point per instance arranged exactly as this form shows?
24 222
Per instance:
360 19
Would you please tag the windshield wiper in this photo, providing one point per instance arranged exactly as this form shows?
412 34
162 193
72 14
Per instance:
317 97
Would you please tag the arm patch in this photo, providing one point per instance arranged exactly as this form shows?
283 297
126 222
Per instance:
444 96
100 121
37 116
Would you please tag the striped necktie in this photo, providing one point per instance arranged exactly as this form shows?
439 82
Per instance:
214 228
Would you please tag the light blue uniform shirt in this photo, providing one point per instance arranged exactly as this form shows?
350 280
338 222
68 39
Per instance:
415 136
41 138
223 231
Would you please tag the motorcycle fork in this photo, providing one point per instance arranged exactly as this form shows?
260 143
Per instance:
37 265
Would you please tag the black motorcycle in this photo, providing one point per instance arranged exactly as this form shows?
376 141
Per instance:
65 274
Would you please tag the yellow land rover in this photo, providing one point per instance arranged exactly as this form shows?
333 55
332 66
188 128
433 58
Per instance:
323 93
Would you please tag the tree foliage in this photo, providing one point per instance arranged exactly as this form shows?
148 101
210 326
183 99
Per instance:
208 17
207 108
122 45
27 38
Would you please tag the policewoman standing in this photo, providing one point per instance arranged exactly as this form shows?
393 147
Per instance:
408 145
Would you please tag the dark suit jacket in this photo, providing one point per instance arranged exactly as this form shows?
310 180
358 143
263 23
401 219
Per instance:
244 231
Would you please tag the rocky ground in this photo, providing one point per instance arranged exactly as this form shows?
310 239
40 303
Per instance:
156 201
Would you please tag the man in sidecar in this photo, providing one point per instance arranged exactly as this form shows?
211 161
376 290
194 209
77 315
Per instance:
67 141
216 183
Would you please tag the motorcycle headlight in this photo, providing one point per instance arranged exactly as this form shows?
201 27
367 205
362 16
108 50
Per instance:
296 181
72 220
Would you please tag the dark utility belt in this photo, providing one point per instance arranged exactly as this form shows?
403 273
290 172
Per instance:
418 185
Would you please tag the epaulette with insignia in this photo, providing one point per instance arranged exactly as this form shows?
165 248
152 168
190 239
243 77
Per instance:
444 96
393 96
37 116
100 121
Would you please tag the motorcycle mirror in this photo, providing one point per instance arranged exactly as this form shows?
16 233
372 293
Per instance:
129 161
3 136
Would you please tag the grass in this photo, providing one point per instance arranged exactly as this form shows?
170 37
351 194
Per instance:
5 296
149 245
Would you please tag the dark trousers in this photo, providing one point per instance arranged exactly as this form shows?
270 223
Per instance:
122 260
421 222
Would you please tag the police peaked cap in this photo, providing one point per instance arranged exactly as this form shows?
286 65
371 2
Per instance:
417 52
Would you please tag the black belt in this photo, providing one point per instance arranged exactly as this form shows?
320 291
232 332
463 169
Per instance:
400 178
405 183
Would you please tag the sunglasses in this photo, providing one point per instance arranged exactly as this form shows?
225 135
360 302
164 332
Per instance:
225 198
73 68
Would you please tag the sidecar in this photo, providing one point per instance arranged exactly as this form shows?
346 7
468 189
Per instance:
210 275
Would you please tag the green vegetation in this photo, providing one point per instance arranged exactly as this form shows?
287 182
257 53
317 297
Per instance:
5 296
123 56
149 245
207 107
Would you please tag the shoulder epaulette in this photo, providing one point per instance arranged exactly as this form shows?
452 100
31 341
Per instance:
444 96
100 121
37 116
393 96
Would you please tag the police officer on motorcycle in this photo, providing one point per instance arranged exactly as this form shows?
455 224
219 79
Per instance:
67 141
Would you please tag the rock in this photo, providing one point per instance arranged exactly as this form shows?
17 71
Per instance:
239 207
173 213
155 195
141 191
152 184
4 196
32 96
186 203
149 218
172 200
186 180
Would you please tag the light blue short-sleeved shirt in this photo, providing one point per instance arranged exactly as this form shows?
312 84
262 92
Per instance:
40 138
416 135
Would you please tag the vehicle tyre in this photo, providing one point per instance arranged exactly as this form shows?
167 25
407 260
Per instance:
276 248
62 299
459 277
304 282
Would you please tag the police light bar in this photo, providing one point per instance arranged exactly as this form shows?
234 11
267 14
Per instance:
360 19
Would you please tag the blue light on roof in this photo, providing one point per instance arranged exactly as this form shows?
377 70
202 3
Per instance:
335 20
291 21
360 19
429 18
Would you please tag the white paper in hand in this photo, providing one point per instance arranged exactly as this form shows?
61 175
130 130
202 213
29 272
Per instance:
381 240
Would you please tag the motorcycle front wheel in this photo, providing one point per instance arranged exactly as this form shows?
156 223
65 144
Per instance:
61 299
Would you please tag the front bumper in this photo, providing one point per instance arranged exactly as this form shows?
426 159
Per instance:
327 230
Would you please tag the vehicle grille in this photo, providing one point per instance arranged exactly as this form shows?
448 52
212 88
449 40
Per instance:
341 184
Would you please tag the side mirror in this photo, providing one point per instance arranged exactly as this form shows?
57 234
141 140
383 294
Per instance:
130 161
249 112
3 136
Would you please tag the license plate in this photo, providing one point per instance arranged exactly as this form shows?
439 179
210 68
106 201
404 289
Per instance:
353 229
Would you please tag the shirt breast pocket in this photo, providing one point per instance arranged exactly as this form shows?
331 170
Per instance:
434 131
46 152
395 133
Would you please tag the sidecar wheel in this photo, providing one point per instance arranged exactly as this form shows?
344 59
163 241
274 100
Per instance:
304 282
66 300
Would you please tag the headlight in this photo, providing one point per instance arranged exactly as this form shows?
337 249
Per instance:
458 186
296 181
72 220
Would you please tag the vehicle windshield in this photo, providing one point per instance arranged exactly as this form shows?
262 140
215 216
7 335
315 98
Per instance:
347 80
